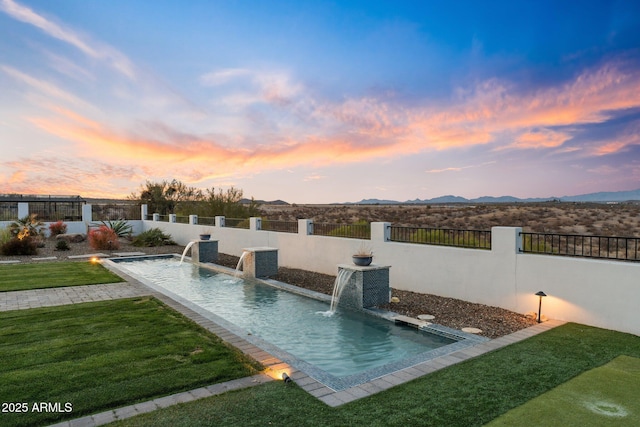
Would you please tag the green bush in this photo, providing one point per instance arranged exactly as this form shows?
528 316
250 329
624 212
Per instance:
15 246
62 245
153 237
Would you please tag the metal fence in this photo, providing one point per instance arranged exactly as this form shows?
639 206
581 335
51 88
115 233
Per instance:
354 231
477 239
8 211
280 226
236 222
54 210
181 219
606 247
206 220
115 211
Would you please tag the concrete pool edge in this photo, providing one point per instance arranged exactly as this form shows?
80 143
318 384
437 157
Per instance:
274 366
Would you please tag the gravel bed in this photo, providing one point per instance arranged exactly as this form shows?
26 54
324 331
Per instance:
454 313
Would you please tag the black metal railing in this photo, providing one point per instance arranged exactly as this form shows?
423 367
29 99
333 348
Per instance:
163 218
280 226
236 222
8 211
54 211
353 231
206 220
115 211
575 245
477 239
181 219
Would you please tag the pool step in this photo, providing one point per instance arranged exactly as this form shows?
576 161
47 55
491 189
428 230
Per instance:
410 321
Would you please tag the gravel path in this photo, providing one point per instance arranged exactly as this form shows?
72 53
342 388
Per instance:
494 322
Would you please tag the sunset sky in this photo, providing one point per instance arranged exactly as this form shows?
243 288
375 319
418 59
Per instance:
320 101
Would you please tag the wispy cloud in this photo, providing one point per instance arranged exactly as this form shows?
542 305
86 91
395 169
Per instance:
44 87
314 177
90 48
536 139
459 168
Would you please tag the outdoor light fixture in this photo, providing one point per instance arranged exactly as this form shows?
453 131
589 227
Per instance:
540 294
286 377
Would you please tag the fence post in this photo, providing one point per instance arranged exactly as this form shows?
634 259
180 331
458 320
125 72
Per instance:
305 227
172 218
87 213
506 240
193 219
219 221
156 217
380 231
255 223
144 211
23 209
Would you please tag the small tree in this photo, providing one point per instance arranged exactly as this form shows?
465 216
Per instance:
28 226
166 196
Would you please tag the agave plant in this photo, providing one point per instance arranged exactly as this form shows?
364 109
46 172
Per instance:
29 226
121 227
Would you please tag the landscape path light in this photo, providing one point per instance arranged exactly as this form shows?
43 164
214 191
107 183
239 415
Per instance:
540 294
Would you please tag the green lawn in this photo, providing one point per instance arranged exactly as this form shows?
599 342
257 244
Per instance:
98 356
19 277
604 396
471 393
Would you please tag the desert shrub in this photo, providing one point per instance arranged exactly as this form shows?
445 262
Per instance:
16 246
57 227
121 227
5 235
103 238
153 237
62 245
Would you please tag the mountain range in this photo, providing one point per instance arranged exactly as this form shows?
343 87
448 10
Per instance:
607 196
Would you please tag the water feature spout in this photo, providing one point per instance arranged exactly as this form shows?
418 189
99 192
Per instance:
186 248
338 286
240 263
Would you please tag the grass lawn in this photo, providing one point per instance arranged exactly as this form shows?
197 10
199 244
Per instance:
604 396
471 393
20 277
98 356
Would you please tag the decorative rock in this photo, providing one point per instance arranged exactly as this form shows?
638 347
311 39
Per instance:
426 317
395 299
472 330
72 237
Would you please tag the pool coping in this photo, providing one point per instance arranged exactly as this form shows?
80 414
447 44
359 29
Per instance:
275 367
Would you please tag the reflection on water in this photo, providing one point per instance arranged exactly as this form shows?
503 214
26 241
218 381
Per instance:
343 344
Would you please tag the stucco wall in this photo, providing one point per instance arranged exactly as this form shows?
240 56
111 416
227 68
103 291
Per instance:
594 292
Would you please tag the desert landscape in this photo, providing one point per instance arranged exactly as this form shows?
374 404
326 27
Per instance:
614 219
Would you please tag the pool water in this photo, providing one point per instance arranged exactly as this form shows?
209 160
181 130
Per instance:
345 345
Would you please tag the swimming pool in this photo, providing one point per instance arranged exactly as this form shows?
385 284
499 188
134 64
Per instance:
342 350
